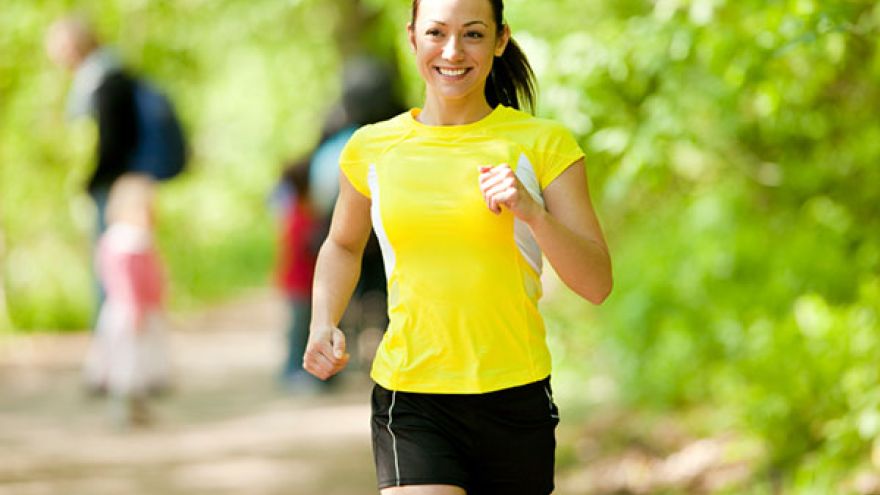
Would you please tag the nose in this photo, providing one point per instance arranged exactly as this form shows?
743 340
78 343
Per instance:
452 49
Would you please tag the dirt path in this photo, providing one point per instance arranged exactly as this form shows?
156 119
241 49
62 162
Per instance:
227 429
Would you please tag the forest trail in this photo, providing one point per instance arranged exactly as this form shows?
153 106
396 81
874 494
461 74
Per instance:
226 429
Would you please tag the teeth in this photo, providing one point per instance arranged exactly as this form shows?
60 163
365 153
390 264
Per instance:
452 72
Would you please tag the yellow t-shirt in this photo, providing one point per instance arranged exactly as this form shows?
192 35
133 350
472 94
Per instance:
463 283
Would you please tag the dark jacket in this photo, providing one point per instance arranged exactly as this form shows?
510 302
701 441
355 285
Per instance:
117 128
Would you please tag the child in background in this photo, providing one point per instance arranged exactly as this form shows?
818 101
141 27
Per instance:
296 268
127 357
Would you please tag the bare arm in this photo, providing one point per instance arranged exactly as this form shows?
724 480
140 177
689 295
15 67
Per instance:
567 230
336 274
571 237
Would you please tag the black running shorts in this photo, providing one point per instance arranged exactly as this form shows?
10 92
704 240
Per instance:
494 443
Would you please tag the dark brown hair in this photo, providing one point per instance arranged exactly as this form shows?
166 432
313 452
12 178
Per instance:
512 81
296 175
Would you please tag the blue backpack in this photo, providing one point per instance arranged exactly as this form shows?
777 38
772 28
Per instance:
161 146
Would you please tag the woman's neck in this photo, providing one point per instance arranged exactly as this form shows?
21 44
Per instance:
437 111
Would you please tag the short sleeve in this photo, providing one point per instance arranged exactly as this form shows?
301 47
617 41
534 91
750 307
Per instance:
555 151
354 161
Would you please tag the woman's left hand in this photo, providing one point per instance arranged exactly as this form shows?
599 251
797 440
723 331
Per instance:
501 187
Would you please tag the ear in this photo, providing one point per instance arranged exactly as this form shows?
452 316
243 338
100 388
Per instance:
501 42
411 36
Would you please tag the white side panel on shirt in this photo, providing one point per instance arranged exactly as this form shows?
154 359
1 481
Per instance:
376 215
526 243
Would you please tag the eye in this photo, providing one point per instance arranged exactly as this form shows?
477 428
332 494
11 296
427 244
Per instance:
473 35
434 33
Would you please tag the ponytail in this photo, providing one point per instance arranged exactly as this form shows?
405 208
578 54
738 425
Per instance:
512 81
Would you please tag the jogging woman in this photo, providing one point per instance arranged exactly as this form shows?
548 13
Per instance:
464 194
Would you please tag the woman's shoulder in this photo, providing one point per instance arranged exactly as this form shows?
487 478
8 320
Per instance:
528 129
390 127
513 116
372 139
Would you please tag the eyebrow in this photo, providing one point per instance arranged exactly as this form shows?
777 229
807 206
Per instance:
471 23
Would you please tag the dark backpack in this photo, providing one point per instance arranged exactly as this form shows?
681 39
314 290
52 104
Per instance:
161 146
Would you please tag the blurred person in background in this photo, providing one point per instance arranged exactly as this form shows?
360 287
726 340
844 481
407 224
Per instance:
297 250
465 195
368 96
102 90
128 357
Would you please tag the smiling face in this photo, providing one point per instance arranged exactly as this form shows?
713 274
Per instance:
455 42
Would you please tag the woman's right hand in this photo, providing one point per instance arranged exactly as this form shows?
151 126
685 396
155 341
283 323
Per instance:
325 353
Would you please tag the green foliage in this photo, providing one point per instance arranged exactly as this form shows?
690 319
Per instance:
732 150
251 80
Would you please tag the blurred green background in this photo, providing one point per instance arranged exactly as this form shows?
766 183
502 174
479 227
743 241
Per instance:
733 150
